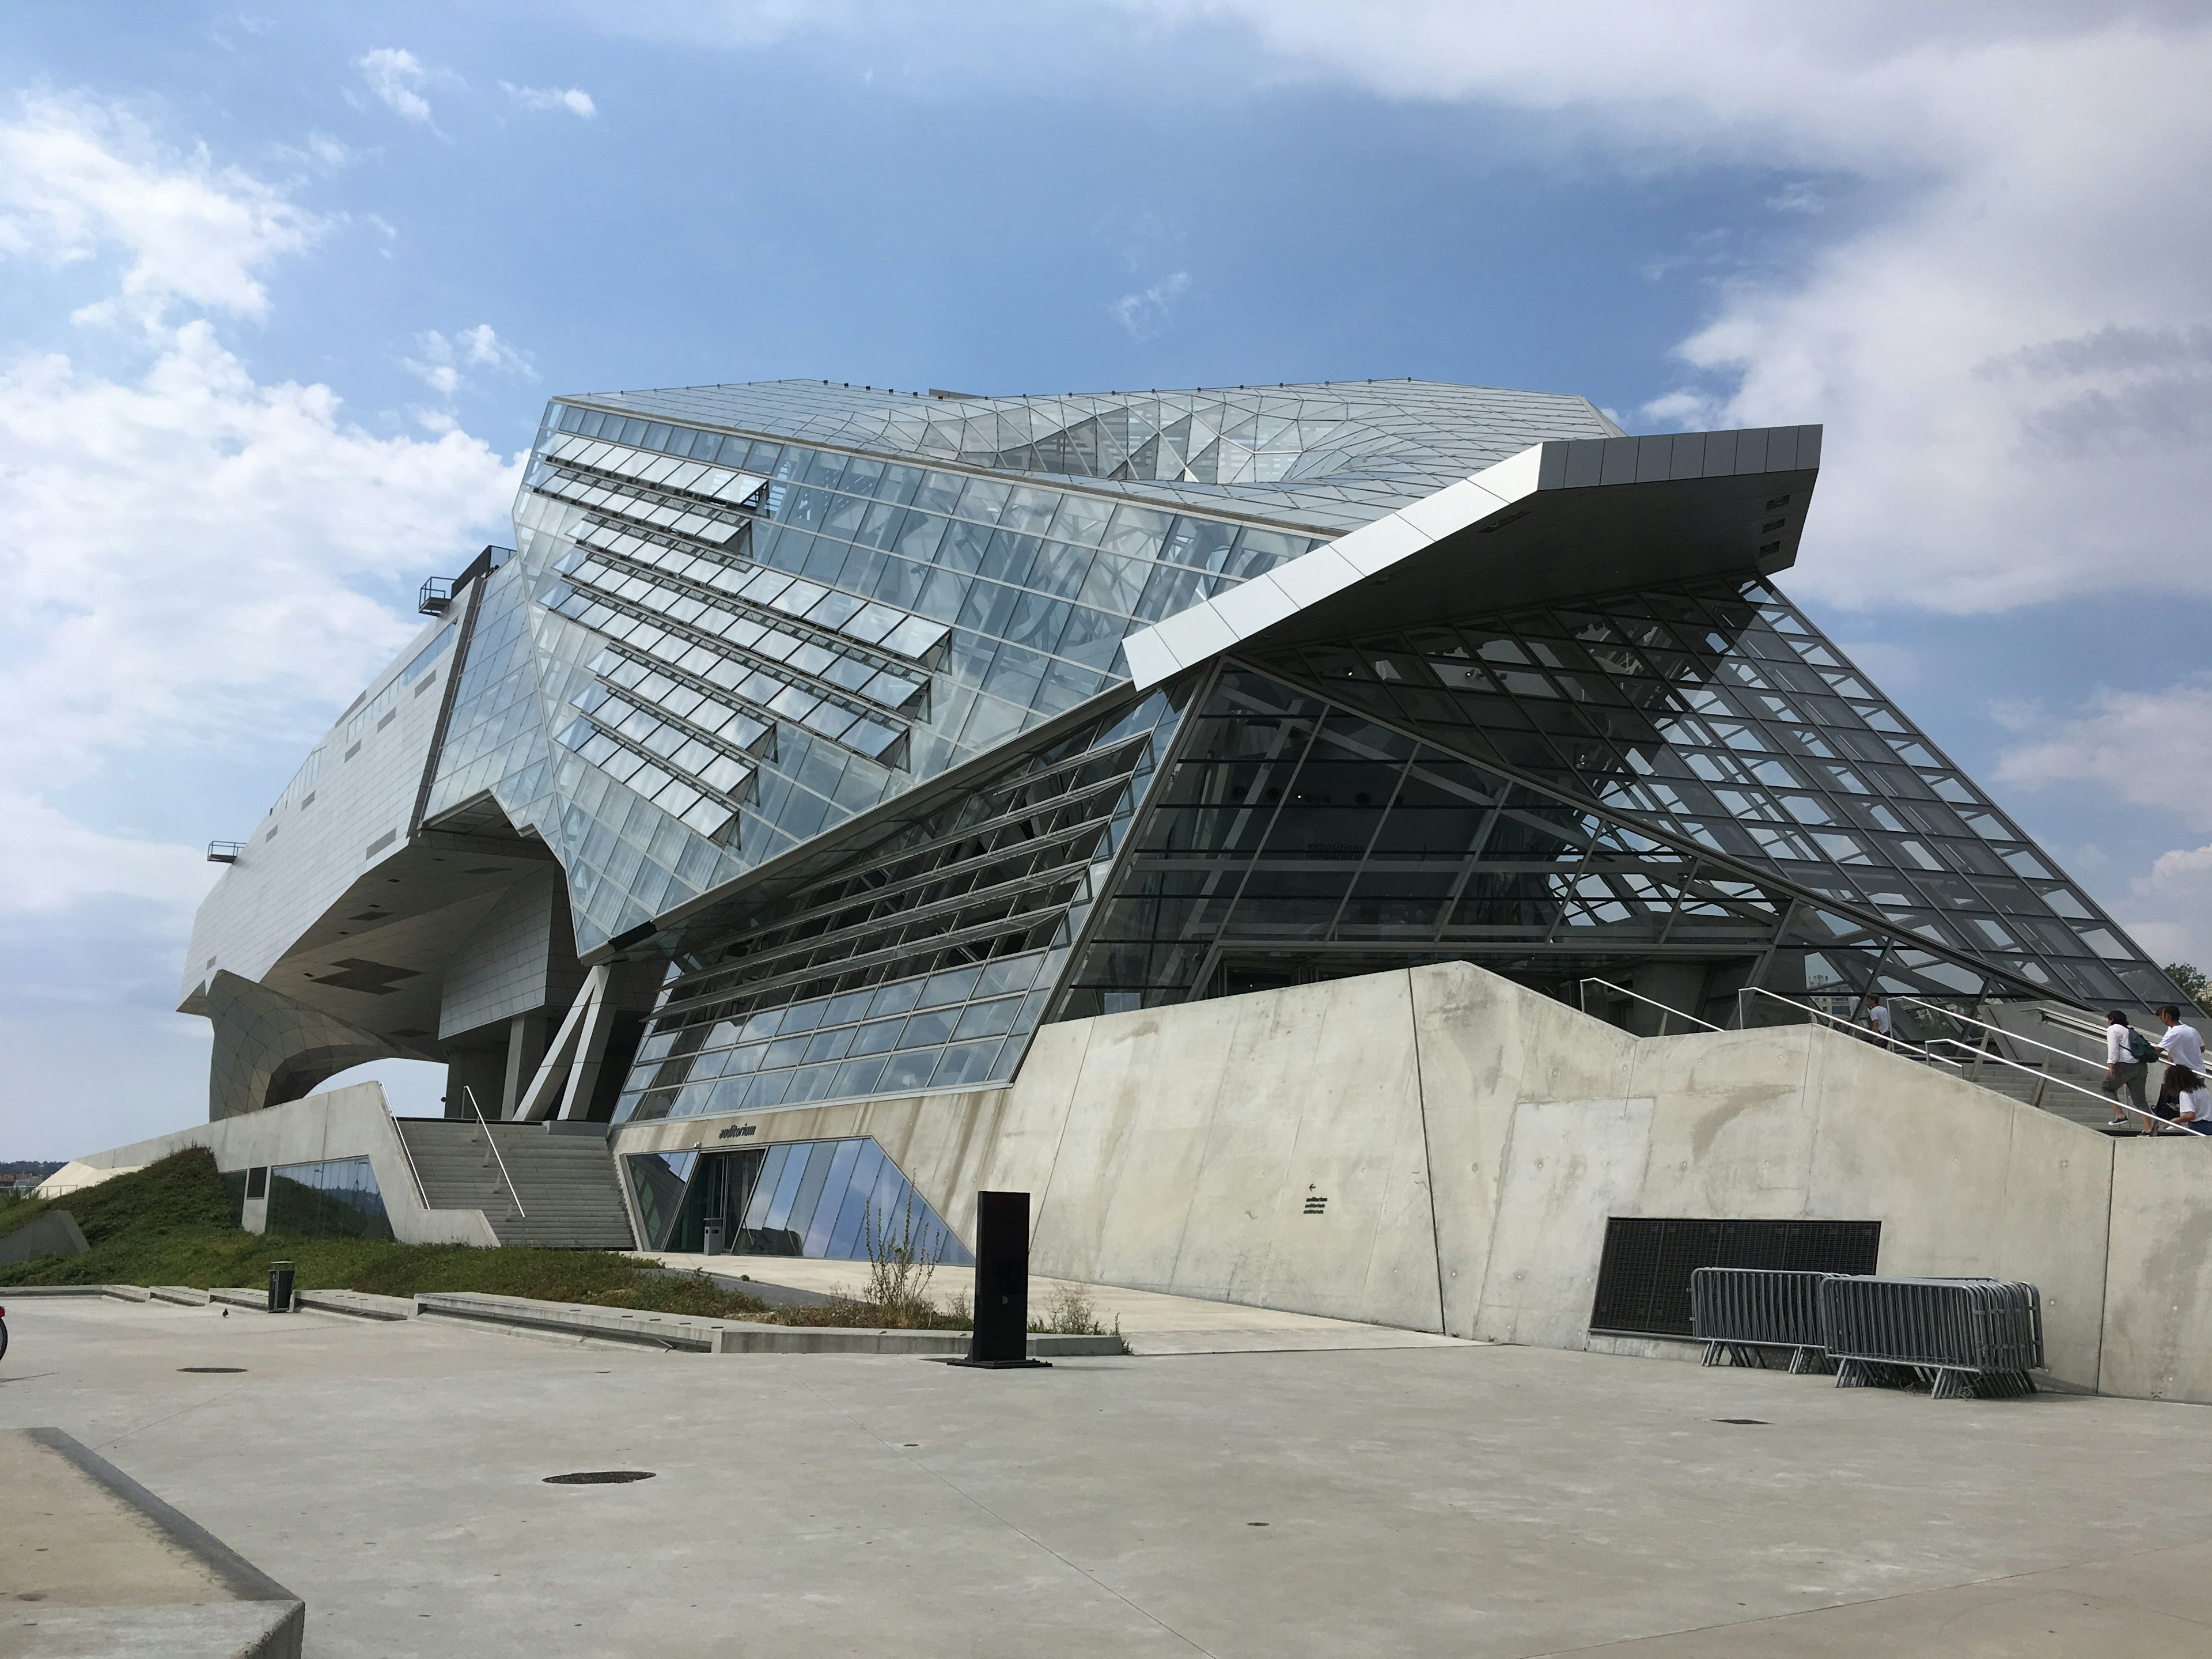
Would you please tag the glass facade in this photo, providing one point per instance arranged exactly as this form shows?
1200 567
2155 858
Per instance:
922 955
338 1198
1693 780
840 1200
710 649
820 694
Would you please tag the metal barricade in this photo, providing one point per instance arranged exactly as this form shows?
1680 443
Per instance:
1961 1337
1753 1316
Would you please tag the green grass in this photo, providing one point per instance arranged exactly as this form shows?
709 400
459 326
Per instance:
172 1223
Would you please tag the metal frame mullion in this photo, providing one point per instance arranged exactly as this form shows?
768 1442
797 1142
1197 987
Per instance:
1367 853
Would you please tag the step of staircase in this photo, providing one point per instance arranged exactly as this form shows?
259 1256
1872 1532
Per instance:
545 1188
2032 1090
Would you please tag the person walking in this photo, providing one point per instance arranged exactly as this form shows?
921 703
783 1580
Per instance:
2127 1062
2179 1095
1878 1020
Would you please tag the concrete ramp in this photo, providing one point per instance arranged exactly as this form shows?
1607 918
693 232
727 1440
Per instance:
94 1564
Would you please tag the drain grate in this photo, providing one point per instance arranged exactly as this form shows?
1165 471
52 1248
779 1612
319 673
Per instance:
599 1477
214 1371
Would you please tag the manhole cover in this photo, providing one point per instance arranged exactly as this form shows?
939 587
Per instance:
214 1371
1748 1422
598 1477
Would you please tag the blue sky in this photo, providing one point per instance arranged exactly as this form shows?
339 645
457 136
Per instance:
284 294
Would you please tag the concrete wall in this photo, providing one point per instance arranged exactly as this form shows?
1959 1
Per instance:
349 1122
1471 1138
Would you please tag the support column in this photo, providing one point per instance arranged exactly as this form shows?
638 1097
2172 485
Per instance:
525 1051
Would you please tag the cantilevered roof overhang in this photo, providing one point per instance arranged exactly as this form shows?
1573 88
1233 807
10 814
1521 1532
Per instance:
1559 519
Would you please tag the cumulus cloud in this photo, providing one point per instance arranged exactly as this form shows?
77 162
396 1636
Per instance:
575 99
2005 338
2147 748
1143 313
440 359
397 76
79 179
191 556
1993 295
72 862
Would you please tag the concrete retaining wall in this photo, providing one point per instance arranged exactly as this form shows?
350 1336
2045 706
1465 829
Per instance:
349 1122
54 1233
1469 1139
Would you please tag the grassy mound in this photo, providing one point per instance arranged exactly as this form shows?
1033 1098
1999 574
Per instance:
172 1223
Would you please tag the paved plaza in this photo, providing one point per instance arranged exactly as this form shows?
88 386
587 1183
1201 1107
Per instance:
1458 1499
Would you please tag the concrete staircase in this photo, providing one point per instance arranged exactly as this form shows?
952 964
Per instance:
2030 1090
569 1191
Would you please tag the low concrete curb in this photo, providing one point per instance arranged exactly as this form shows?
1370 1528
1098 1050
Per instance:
362 1304
17 1293
689 1334
127 1574
183 1295
650 1330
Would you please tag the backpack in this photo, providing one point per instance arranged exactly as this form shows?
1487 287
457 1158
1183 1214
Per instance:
2140 1049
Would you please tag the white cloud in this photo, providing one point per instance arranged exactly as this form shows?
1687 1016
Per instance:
2169 910
78 180
2149 749
186 552
2005 337
1144 312
58 863
396 76
575 99
440 359
189 555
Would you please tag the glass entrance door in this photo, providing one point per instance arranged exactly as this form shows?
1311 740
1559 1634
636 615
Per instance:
721 1187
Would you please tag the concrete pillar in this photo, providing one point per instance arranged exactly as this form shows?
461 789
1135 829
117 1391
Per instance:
527 1037
480 1067
1679 984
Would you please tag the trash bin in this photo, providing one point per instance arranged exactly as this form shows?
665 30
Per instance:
711 1235
280 1287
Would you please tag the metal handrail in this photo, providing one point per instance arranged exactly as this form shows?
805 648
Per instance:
2045 1078
1852 1026
2082 1026
1640 997
1968 1019
512 1193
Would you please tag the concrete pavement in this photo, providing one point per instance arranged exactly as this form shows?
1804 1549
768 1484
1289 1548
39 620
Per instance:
1461 1500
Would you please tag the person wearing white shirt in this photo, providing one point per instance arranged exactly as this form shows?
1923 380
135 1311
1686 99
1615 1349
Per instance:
2184 1088
1878 1018
2123 1071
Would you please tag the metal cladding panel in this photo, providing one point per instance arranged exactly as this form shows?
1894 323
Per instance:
1579 516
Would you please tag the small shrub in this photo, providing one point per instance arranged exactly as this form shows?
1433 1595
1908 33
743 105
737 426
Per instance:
1069 1312
899 1266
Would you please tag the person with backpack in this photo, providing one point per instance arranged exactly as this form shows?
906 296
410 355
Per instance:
2127 1054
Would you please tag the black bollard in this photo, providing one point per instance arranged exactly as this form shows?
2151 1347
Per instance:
1002 1340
